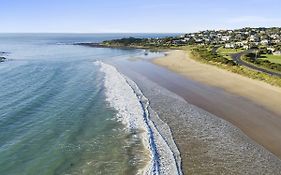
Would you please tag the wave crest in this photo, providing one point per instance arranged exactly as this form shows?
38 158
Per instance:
132 108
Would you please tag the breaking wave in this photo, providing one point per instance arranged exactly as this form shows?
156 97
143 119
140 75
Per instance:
133 111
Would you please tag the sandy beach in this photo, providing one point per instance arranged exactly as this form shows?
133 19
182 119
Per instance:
251 105
207 143
260 92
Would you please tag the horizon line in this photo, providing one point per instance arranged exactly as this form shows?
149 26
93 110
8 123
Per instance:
92 32
133 32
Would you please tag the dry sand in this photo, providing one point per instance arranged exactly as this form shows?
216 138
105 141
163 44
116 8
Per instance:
259 116
207 144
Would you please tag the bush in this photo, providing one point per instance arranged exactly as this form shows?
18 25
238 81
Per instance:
207 55
233 67
126 41
264 63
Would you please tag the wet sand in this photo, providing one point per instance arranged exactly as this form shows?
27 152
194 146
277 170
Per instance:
207 144
251 105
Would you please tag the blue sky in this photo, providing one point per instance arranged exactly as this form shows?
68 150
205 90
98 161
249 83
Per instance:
134 16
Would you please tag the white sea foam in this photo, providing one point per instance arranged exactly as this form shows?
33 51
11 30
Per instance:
133 111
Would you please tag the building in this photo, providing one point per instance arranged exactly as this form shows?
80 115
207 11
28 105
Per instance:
265 42
277 52
225 38
229 46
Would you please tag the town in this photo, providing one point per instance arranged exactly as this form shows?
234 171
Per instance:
266 39
252 52
246 38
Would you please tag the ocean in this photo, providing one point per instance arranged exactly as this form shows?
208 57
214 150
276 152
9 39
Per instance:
61 111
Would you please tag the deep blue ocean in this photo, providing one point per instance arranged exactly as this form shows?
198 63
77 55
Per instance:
53 115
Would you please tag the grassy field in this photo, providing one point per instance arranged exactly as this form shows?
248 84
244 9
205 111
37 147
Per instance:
266 66
226 52
200 56
272 58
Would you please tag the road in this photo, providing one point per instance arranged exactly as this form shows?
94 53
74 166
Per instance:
215 49
237 58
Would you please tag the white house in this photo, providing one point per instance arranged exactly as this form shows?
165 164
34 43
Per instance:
276 41
271 49
253 38
246 47
186 39
274 36
277 52
239 44
264 42
198 40
229 46
225 38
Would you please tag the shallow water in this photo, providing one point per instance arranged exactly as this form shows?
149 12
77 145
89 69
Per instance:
207 143
54 118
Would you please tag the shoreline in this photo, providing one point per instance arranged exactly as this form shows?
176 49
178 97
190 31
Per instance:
99 45
206 142
245 71
240 141
134 112
133 47
261 94
180 62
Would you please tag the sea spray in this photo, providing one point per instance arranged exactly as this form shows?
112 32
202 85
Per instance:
162 130
132 109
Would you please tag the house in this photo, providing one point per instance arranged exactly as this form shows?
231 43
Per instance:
271 49
229 45
246 47
185 40
253 38
265 42
177 42
277 52
230 31
276 41
198 40
225 38
239 44
274 36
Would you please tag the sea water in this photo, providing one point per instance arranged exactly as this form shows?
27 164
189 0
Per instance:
55 117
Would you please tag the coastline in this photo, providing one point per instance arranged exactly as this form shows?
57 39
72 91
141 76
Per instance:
263 126
225 150
260 92
134 112
207 143
99 45
133 47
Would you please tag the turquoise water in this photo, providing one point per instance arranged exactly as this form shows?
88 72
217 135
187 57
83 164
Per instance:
53 115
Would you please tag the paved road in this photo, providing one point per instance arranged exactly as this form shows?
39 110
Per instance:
215 49
237 58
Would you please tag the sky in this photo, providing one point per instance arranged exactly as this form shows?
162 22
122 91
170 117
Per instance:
135 16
